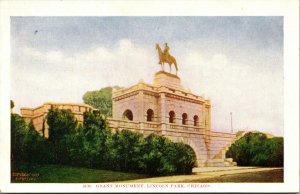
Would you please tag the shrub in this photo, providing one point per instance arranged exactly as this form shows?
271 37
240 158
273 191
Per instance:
126 149
92 145
157 156
185 159
255 149
61 123
89 147
18 132
163 157
27 146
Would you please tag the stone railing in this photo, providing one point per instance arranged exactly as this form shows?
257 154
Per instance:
125 124
151 125
184 127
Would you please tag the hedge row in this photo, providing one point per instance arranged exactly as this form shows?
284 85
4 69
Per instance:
92 145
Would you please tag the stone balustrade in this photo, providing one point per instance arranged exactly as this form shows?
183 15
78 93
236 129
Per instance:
184 127
126 124
123 124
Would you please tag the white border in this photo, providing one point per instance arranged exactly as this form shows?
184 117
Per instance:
289 9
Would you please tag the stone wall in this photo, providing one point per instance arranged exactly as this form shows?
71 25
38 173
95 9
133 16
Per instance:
180 106
38 115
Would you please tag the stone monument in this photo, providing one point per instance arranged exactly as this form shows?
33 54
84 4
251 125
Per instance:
166 108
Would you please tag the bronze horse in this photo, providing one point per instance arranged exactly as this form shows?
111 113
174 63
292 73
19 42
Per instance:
166 58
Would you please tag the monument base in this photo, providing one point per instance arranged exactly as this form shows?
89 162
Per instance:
166 79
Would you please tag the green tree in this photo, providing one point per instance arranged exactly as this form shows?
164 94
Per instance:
158 157
61 124
185 158
95 142
277 156
154 155
34 147
100 99
127 150
27 146
18 131
75 148
255 149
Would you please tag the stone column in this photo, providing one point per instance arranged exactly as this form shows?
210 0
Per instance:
140 111
163 112
207 128
203 115
114 116
209 118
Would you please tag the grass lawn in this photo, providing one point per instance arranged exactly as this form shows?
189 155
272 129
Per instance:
66 174
270 176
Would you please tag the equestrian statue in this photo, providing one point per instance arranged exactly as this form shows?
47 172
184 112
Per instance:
165 57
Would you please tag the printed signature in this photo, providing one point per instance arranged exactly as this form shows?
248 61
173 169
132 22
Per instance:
24 176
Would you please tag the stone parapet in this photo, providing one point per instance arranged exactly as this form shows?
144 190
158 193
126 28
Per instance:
38 114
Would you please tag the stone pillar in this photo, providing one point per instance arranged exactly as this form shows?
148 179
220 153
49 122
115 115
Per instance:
209 118
114 116
203 115
140 111
163 112
207 128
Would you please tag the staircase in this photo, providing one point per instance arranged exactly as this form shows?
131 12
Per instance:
220 160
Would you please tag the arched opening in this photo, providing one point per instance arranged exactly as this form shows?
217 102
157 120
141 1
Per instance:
196 120
150 115
127 115
171 117
184 119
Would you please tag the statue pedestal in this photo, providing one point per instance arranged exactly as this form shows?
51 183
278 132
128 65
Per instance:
166 79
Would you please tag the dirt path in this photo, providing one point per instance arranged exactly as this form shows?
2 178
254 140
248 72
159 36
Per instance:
202 174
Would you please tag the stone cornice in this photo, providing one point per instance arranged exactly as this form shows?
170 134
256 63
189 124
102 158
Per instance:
157 94
182 98
156 91
126 95
151 93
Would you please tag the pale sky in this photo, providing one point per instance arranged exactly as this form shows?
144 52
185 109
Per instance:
236 62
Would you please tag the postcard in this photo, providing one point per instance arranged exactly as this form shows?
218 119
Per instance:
149 96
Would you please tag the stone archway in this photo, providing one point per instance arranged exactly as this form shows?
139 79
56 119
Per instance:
127 115
197 143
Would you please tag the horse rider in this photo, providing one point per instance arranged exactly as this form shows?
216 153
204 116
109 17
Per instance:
166 51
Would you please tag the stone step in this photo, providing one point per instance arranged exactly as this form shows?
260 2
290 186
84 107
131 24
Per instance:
233 164
215 160
220 155
229 159
219 164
